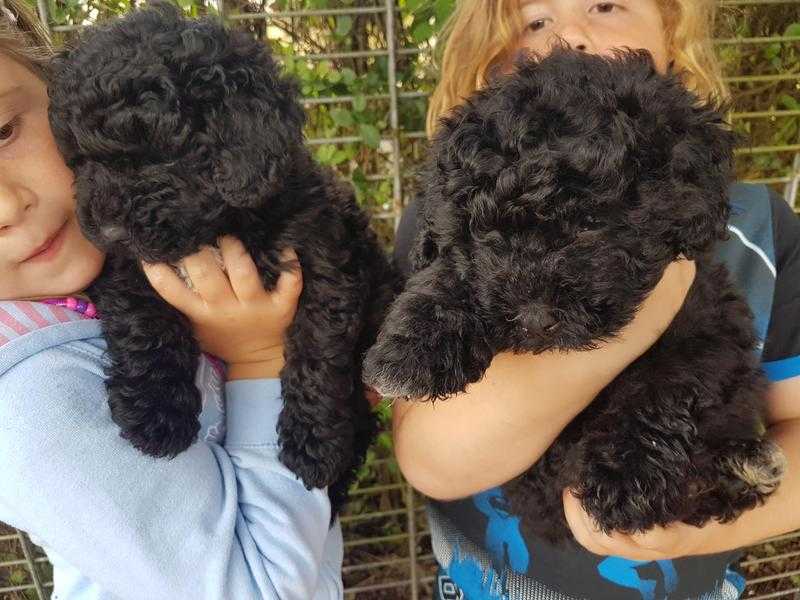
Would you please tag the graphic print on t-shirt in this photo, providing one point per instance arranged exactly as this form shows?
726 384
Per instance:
503 537
631 574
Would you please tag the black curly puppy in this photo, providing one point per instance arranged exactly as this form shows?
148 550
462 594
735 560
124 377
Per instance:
178 132
554 199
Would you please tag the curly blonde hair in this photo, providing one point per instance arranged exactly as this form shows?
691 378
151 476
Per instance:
23 37
480 34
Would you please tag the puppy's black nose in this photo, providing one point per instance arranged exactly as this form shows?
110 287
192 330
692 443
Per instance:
537 318
114 233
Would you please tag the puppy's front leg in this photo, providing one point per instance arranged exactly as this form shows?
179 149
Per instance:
152 364
431 344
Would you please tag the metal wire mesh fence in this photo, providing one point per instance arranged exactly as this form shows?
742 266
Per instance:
366 69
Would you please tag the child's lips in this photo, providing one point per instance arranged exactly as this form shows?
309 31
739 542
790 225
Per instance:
49 249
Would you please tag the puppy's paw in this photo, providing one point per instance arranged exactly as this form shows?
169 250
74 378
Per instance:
427 348
401 367
154 425
747 477
317 462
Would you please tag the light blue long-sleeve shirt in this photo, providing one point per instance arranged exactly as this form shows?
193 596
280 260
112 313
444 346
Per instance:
224 520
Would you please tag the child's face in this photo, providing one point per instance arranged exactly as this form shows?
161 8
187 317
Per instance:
596 27
42 250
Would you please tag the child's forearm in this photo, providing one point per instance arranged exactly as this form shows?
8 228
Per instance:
264 369
778 515
501 425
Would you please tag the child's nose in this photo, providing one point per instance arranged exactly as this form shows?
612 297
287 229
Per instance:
577 37
14 203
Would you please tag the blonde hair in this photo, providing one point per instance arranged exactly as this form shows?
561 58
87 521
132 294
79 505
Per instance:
23 37
480 34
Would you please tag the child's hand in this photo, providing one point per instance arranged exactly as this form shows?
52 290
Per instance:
659 543
233 317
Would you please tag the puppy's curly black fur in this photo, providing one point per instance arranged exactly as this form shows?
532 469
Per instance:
178 132
554 199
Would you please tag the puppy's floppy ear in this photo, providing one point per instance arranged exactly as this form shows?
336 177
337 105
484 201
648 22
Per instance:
251 112
701 171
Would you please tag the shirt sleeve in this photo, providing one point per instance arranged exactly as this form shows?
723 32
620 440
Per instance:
781 354
214 522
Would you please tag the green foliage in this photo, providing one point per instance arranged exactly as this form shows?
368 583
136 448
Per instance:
773 58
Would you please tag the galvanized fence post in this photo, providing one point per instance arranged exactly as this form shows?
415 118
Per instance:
44 13
391 42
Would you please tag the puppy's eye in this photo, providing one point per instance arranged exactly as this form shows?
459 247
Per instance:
588 223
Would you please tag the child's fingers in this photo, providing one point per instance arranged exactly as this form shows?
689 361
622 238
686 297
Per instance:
290 282
208 278
242 271
171 287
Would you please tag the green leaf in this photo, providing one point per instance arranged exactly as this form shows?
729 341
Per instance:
17 577
772 50
359 103
358 177
325 153
384 440
370 135
343 25
342 117
323 68
789 102
792 30
422 32
442 10
349 76
414 5
339 157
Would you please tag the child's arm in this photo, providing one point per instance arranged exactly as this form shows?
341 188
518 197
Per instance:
502 424
781 511
211 523
779 514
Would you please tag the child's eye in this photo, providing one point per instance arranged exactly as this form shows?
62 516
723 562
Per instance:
537 25
8 130
605 7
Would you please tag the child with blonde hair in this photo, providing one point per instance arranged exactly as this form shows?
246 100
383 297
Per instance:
222 520
461 451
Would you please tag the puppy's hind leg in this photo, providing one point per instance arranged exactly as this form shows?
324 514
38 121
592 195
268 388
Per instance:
150 376
744 474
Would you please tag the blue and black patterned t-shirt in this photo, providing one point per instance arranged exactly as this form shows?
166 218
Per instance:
478 543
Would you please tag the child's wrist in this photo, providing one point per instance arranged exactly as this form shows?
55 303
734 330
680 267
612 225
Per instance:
262 369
